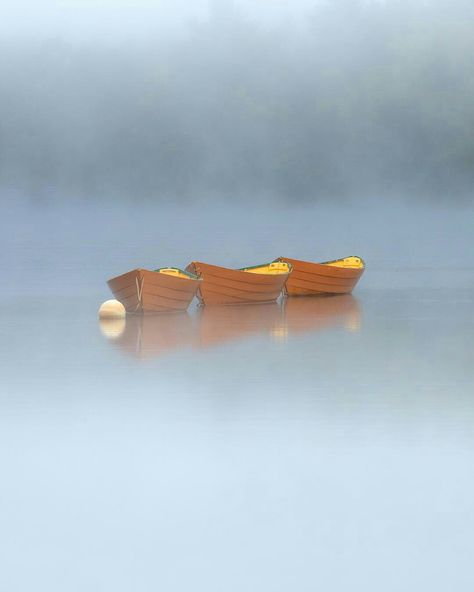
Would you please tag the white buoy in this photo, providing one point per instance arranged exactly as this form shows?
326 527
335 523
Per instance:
111 309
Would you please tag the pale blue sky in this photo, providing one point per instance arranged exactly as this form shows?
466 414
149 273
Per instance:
94 20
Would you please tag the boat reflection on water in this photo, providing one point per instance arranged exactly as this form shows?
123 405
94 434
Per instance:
145 336
150 335
218 324
308 314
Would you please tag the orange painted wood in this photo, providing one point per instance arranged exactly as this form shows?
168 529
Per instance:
313 279
142 291
221 285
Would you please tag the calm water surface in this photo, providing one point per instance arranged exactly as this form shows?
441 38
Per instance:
309 444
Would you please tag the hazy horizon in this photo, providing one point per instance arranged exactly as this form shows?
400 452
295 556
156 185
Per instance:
231 100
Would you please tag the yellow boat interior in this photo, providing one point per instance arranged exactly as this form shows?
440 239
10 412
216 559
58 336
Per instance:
273 268
348 262
185 275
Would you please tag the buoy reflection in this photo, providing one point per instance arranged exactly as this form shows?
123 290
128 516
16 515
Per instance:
112 328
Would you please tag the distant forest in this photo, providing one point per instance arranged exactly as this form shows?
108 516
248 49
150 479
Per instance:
366 99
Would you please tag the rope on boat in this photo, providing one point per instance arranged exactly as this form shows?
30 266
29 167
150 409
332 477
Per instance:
139 283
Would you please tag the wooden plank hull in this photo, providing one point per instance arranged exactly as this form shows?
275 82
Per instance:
319 279
144 291
221 285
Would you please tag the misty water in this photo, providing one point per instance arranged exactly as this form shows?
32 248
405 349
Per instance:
308 444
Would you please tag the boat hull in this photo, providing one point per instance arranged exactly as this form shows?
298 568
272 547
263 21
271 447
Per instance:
144 291
319 279
221 285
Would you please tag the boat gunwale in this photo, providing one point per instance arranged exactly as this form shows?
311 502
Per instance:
327 263
243 270
138 270
290 267
190 274
343 259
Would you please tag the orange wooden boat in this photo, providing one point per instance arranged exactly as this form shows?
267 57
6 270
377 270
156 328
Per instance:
162 290
330 277
260 283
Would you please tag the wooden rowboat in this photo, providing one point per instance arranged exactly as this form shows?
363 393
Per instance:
162 290
330 277
260 283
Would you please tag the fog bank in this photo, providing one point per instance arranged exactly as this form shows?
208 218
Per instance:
356 99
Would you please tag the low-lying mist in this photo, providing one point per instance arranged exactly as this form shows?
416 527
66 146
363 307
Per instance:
363 99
